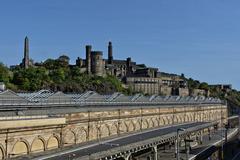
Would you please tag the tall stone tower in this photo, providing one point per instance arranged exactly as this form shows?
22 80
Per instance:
128 66
88 58
97 64
26 60
110 53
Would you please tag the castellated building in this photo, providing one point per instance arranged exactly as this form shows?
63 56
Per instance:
138 77
95 64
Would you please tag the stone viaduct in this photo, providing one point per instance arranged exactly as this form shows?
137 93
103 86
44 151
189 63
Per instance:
28 134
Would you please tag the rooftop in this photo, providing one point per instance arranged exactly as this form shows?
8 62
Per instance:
47 97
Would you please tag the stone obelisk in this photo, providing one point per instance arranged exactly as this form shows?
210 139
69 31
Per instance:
26 53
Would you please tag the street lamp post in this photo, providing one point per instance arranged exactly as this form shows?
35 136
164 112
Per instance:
187 147
177 147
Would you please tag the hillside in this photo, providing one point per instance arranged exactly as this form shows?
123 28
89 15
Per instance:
57 76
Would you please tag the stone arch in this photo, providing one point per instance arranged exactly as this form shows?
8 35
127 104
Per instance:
137 125
123 127
204 117
182 117
81 135
188 118
169 120
113 129
175 119
131 126
145 124
53 142
69 138
218 116
150 123
215 115
104 131
164 120
201 116
179 120
21 147
38 145
191 117
94 132
2 152
155 122
161 121
210 116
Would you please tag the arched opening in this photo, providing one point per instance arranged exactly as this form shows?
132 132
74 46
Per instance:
52 143
113 129
169 120
123 127
131 126
210 118
181 118
69 138
191 117
164 121
38 145
2 156
20 148
175 120
105 131
94 132
161 121
178 119
145 124
155 122
137 125
82 135
187 118
150 123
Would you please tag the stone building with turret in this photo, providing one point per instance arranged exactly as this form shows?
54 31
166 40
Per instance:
138 77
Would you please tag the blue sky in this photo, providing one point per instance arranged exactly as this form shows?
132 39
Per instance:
200 38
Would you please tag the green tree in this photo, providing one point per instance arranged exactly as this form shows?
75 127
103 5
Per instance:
4 74
204 86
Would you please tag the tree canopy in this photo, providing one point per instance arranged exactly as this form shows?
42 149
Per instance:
57 75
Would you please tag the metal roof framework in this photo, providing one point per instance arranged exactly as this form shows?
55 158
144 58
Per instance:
45 97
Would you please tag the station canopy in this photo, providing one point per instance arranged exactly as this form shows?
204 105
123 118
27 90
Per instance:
47 97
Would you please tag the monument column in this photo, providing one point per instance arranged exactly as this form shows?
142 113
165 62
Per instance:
26 53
